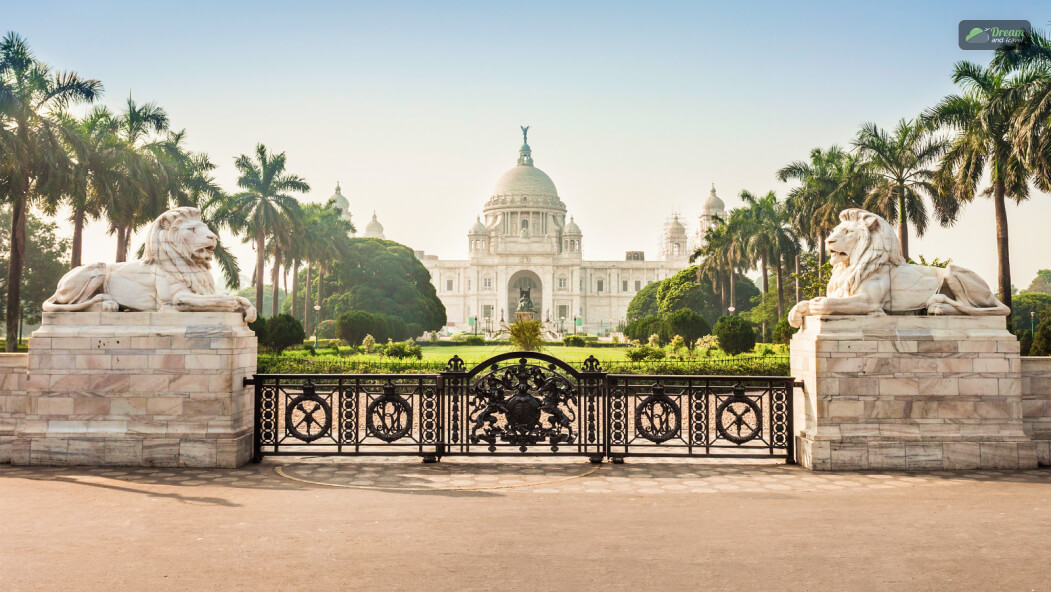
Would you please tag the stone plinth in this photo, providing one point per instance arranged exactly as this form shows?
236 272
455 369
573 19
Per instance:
1036 404
909 392
142 389
12 400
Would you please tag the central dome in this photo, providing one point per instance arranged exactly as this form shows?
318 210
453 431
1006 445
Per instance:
525 180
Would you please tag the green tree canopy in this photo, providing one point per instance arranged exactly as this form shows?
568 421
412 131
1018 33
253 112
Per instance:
644 304
45 263
683 290
381 277
1042 282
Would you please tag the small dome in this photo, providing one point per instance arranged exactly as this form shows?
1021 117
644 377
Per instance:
341 202
478 227
374 229
713 204
676 227
572 227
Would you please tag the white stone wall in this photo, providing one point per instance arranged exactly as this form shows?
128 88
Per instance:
154 389
13 372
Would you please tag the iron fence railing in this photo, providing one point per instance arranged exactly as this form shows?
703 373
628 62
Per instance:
523 403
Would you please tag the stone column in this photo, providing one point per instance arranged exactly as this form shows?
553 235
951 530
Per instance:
909 392
139 389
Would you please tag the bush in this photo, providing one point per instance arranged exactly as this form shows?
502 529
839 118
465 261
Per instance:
526 335
637 354
283 331
401 350
574 341
642 328
1042 340
259 326
368 344
433 337
708 342
328 329
473 340
354 325
735 335
655 353
1025 344
654 340
783 332
677 343
687 324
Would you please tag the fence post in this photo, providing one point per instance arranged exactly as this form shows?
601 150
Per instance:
257 435
452 381
596 413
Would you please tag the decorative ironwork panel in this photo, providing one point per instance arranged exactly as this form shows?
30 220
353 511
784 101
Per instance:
523 402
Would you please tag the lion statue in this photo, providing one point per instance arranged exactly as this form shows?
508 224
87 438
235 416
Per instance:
173 275
869 276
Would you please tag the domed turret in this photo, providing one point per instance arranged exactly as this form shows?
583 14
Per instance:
525 187
478 228
374 229
571 229
714 205
673 246
341 202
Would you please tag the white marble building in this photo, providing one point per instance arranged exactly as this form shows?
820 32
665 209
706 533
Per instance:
523 240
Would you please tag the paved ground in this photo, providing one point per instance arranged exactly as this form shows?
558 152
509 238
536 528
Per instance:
472 524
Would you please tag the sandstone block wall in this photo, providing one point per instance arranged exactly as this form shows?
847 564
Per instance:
13 371
1036 404
909 392
153 389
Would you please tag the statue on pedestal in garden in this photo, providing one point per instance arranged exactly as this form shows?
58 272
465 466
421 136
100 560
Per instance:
525 303
174 274
870 276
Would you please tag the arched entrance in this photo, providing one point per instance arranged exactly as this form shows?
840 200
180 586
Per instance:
523 280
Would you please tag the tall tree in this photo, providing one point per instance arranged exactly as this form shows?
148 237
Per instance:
903 161
981 120
1031 125
770 237
266 204
35 167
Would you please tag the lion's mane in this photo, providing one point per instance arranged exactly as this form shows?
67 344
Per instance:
168 249
876 247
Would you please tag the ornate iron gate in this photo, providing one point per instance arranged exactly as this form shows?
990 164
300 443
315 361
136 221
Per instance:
523 403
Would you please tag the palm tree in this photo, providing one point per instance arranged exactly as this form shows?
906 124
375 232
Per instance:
266 204
900 161
1031 126
810 206
770 238
35 166
329 234
145 191
981 121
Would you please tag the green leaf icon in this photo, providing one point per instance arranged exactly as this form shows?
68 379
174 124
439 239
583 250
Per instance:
974 31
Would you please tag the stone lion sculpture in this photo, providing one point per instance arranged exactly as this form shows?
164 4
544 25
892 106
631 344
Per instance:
869 276
173 275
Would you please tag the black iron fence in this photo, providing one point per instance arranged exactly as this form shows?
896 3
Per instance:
523 403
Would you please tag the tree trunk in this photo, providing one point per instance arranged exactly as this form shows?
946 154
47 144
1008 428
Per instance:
820 257
780 289
903 224
766 285
276 272
260 259
295 288
722 292
733 291
1002 254
799 289
78 238
317 313
122 244
14 269
306 299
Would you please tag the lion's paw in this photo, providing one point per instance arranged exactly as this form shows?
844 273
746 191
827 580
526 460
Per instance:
109 306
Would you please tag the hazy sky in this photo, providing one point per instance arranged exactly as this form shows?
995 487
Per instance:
636 108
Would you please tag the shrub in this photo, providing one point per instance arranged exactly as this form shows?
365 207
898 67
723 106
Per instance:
783 332
655 353
526 335
735 335
654 340
259 326
1025 342
677 343
402 349
354 325
473 340
1042 340
328 329
433 337
688 324
574 340
283 331
707 343
368 344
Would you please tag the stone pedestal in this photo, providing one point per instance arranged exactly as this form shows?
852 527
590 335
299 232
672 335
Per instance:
140 389
909 392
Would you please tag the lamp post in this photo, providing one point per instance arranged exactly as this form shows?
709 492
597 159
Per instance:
488 330
317 316
574 325
731 309
561 325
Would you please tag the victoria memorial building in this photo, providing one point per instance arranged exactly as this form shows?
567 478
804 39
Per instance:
524 240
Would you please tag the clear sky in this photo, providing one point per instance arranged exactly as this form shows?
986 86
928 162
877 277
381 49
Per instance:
636 108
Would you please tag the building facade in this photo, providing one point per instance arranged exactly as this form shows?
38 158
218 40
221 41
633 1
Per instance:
523 240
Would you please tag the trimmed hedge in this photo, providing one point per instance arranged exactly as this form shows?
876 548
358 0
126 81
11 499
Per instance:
745 365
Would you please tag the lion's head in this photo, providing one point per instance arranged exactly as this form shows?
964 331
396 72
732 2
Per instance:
180 244
859 247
